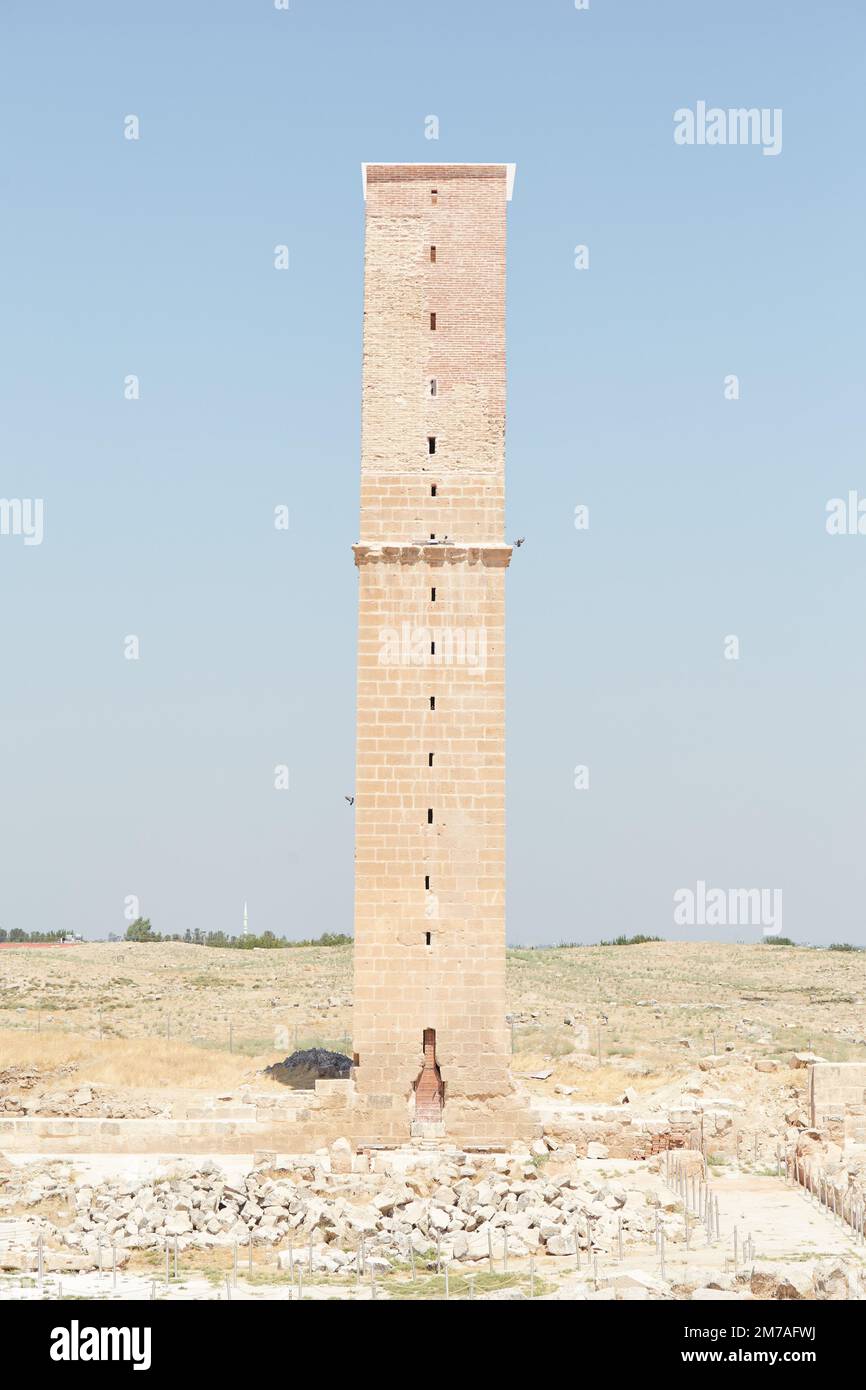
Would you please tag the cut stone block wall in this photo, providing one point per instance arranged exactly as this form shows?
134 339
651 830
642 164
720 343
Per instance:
300 1122
431 558
837 1091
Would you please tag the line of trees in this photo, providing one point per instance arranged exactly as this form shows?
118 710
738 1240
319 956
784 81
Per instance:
141 930
16 934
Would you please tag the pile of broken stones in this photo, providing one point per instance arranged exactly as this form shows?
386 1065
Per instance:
462 1207
460 1210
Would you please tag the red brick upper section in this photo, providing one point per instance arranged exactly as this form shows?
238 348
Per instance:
434 353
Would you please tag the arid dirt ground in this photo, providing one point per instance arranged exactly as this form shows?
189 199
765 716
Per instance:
216 1017
128 1030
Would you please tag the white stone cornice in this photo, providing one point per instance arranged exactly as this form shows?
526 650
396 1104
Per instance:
401 553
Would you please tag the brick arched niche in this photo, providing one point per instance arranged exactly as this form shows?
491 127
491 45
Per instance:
429 1088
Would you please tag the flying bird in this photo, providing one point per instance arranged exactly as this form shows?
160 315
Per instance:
350 799
519 542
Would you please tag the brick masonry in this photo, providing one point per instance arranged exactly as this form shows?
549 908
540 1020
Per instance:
432 558
302 1122
837 1099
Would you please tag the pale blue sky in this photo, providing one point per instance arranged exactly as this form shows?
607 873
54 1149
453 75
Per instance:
155 778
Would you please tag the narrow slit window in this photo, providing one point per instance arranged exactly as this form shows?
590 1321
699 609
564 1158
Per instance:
429 815
429 759
431 443
432 701
434 386
434 195
427 938
432 535
432 648
433 321
432 255
427 883
432 595
432 489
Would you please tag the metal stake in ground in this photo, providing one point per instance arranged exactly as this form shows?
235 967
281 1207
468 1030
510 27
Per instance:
234 1265
490 1249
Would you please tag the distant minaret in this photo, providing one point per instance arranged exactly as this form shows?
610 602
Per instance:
246 924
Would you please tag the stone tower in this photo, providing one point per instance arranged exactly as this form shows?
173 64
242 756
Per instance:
430 1032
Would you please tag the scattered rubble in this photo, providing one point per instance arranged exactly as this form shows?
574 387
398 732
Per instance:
464 1207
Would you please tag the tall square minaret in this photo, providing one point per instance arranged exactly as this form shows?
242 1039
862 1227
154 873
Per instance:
429 1002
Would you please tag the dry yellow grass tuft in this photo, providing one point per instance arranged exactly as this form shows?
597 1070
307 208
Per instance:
123 1062
604 1084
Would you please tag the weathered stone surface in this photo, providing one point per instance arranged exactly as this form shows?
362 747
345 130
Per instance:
713 1062
782 1282
805 1059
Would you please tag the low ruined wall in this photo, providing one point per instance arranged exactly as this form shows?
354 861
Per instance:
617 1132
301 1122
837 1097
297 1122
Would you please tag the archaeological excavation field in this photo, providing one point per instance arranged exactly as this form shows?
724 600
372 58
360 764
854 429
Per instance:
685 1142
